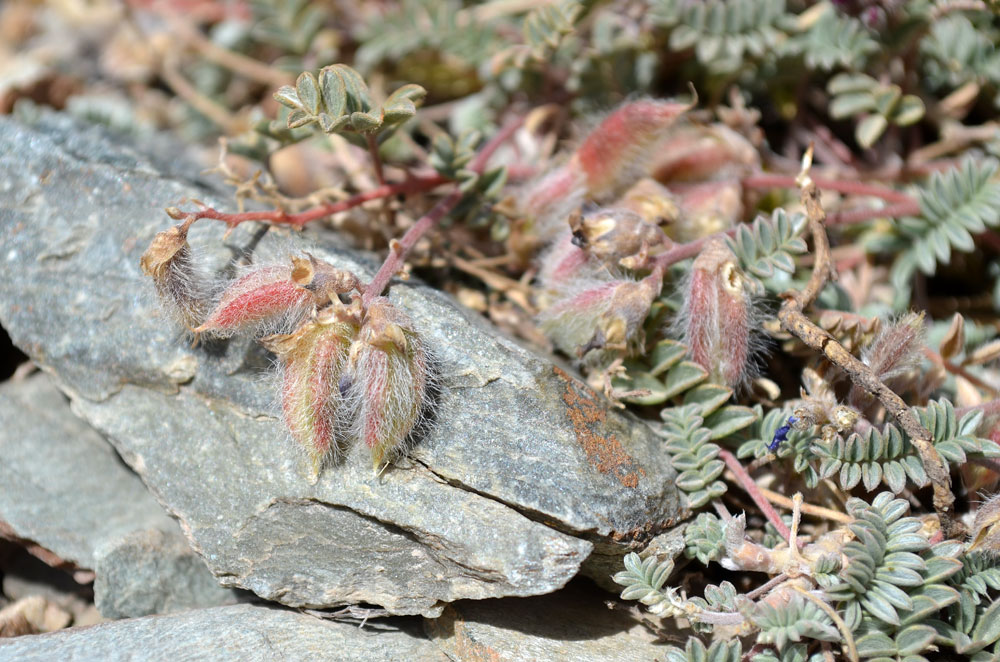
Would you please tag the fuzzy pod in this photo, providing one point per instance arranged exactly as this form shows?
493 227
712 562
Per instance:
717 320
696 153
985 534
652 201
896 351
706 209
564 262
389 380
182 287
549 202
621 146
606 317
322 278
610 235
313 361
264 299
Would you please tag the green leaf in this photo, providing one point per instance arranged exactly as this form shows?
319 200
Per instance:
914 639
870 129
874 644
307 91
682 377
708 397
665 355
730 419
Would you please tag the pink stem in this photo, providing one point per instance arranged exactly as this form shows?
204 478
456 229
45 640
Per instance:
397 254
848 187
748 484
910 208
280 217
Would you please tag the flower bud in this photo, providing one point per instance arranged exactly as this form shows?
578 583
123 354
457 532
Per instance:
313 360
716 321
606 317
265 298
179 283
620 147
390 374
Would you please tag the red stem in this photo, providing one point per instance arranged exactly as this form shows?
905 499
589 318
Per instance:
280 217
398 252
748 484
910 208
841 186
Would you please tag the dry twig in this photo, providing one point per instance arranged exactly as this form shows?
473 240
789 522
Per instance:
795 322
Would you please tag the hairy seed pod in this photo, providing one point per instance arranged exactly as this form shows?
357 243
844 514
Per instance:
717 319
696 153
652 201
264 299
985 535
895 351
313 361
322 278
606 317
389 381
620 147
609 235
706 209
179 283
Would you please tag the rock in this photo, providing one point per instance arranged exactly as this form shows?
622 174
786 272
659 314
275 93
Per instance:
521 472
66 496
569 626
152 572
240 633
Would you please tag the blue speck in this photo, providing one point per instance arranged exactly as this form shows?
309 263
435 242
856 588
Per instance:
781 434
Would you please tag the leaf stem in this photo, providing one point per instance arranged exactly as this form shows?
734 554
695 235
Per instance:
751 488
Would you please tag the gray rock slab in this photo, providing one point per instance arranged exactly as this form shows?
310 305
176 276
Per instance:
64 489
572 625
240 633
523 467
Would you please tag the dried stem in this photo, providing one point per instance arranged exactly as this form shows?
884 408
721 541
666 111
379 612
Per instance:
764 588
807 508
751 488
795 322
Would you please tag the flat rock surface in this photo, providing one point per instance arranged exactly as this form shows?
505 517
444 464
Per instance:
523 467
68 497
572 625
240 633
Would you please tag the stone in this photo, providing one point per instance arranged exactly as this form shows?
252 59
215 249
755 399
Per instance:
523 468
67 497
569 626
238 633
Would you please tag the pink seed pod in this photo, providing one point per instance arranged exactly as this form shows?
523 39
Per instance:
390 377
555 197
895 351
620 147
313 359
609 235
606 317
322 278
563 263
652 201
180 284
695 153
264 299
706 209
717 320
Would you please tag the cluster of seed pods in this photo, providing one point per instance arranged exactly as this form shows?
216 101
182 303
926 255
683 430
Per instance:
349 371
619 215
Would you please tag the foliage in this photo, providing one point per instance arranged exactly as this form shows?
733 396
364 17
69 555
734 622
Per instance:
954 205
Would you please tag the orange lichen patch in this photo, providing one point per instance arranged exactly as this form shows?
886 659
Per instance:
605 453
451 625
